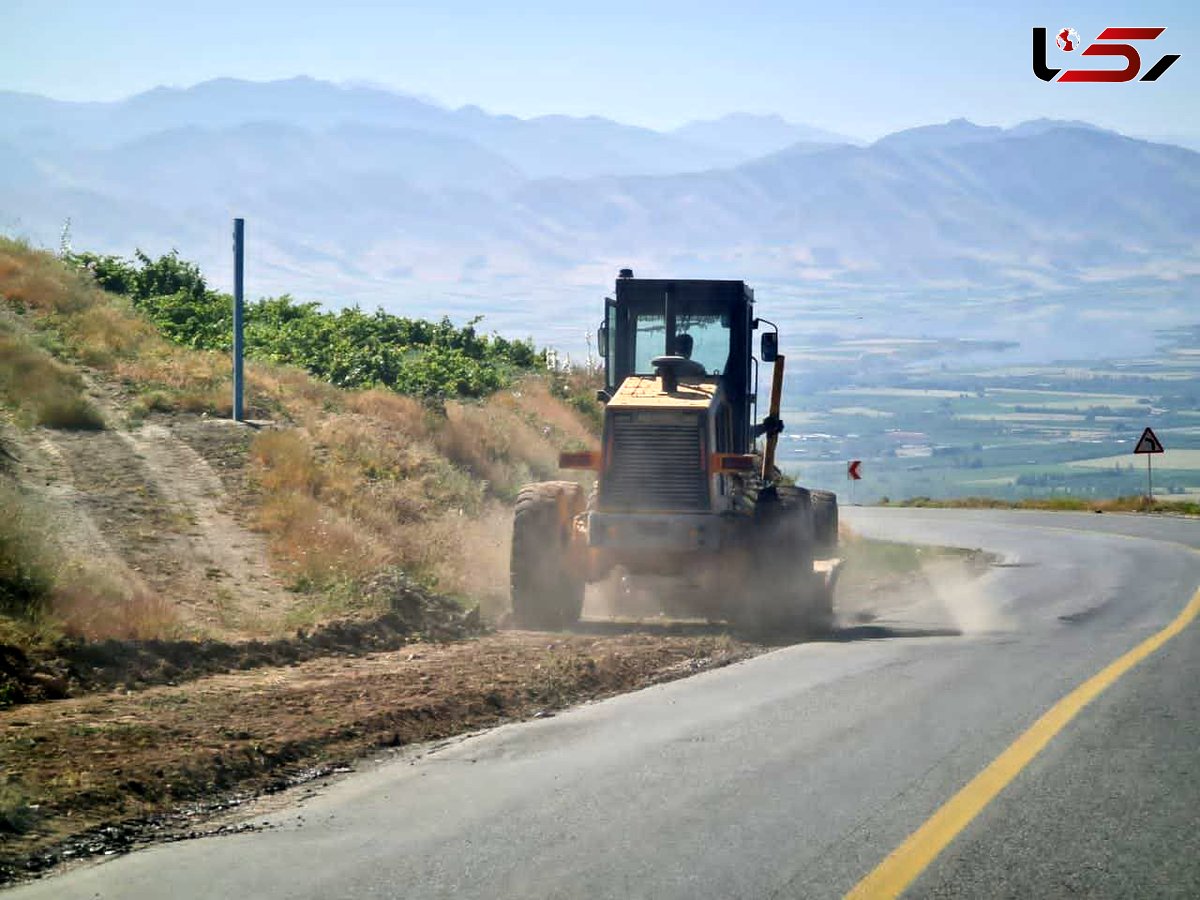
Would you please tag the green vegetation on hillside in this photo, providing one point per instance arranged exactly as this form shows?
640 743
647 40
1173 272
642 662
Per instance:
349 348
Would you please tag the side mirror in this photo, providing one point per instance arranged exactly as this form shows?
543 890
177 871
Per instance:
602 341
770 346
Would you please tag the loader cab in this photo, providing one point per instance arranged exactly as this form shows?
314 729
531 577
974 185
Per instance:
708 321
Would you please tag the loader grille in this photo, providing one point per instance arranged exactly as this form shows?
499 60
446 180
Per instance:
656 463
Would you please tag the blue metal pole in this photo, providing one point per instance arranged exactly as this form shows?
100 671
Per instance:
239 246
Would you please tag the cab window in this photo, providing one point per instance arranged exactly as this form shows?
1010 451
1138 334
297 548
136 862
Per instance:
709 333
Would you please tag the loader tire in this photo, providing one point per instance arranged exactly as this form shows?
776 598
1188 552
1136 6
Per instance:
825 523
546 591
781 590
798 509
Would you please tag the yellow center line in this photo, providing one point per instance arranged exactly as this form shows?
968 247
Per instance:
907 861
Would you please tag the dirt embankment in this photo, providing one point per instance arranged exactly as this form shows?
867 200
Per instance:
75 667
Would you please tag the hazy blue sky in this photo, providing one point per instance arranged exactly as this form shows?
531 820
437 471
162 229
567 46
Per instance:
861 68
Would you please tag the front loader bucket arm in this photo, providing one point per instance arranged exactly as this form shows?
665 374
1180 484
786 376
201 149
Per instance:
768 463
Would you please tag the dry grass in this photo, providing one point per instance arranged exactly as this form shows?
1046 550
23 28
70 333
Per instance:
26 555
286 463
356 493
514 437
535 401
42 597
36 281
496 446
272 389
385 482
187 381
577 388
106 333
90 604
480 571
42 390
403 413
319 546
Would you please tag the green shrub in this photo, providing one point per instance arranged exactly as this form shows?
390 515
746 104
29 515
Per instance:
144 279
69 412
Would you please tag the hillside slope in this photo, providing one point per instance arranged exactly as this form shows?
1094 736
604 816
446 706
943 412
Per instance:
147 513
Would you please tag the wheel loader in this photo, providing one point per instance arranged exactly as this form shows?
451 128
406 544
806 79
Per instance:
688 498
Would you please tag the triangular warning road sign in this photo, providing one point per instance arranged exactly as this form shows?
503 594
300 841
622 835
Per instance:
1148 443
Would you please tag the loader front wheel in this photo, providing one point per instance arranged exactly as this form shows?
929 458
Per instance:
547 592
780 594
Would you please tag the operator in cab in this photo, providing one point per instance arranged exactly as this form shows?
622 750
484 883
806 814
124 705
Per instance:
683 347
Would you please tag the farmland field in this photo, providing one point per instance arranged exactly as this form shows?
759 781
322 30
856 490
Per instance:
930 428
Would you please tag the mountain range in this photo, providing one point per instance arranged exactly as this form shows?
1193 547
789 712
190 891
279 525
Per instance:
358 194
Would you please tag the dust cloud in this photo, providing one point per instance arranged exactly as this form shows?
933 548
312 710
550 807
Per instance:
948 593
618 596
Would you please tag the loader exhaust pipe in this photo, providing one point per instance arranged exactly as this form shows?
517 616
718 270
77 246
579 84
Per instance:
669 320
669 374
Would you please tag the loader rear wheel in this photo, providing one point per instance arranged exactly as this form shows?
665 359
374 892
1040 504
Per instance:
796 540
547 592
825 522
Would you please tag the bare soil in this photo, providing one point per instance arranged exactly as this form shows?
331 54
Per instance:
72 668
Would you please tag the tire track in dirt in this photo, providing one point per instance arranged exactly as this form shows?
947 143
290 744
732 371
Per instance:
143 509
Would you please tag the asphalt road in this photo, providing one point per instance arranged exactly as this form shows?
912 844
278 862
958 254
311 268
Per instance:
796 773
